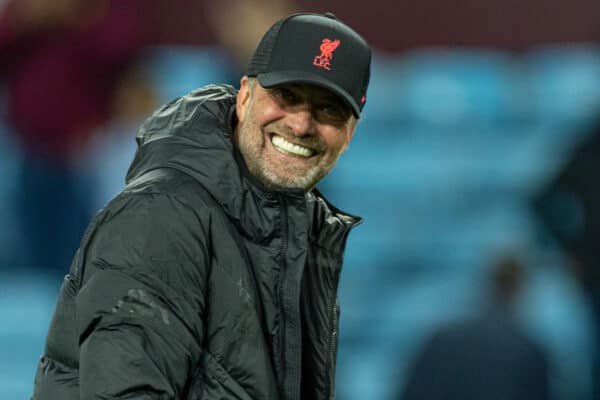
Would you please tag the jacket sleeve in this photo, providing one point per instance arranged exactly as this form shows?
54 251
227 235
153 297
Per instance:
141 304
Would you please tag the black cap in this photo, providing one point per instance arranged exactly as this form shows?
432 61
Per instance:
316 49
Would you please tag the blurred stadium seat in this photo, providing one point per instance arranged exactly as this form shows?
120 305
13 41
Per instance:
564 82
176 70
446 88
27 301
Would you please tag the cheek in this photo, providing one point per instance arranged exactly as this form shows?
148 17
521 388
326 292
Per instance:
335 140
265 112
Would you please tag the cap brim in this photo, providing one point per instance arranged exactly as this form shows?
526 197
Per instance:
271 79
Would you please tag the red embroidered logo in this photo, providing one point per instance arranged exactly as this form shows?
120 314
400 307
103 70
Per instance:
327 48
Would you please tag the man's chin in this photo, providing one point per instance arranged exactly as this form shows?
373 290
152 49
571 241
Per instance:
284 182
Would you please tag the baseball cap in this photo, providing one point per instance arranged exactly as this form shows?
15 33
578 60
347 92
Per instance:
316 49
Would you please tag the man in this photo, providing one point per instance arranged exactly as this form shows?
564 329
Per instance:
214 274
487 355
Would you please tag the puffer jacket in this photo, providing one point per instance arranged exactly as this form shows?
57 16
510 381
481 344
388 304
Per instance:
196 283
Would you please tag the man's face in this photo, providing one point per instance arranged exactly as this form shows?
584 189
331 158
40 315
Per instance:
292 135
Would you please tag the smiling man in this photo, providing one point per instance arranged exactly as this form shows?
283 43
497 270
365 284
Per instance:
291 135
214 274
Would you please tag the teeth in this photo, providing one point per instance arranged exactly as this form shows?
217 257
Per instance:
290 148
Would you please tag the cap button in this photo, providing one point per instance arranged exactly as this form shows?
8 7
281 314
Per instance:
330 15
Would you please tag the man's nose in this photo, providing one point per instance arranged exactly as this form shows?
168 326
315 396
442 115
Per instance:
302 121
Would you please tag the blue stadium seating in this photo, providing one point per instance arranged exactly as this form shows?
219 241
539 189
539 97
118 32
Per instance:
176 70
564 82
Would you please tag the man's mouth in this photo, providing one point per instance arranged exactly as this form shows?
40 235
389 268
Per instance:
290 148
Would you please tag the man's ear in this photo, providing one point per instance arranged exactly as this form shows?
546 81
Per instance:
243 99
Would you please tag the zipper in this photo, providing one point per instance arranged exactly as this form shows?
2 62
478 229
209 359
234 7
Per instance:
281 291
290 334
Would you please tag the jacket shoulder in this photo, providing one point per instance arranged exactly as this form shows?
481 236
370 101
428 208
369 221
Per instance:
181 187
164 213
178 115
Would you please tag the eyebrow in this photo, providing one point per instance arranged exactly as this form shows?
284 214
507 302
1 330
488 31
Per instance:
327 97
318 94
316 91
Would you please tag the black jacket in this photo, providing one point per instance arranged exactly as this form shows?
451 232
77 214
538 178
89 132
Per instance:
195 283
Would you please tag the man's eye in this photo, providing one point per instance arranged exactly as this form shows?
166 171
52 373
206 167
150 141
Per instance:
330 109
334 111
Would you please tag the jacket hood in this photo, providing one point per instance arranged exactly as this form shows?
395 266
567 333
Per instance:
194 134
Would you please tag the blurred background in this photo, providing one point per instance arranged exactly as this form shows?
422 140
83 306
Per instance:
475 166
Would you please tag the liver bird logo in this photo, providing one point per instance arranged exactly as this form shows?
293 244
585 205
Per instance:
327 48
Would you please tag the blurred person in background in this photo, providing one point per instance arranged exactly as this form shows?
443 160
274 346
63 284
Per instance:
569 205
485 357
214 274
253 17
61 61
111 146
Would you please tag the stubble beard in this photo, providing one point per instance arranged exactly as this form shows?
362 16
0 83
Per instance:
252 144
